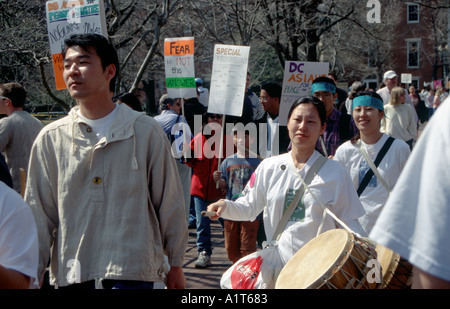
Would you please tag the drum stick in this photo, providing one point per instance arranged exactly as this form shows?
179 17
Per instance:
209 213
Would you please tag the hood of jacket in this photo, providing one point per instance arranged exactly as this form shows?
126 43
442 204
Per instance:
121 128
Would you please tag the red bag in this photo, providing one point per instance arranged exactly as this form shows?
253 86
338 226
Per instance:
245 273
258 270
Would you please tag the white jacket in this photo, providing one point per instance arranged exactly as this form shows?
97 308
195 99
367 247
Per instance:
399 121
273 186
110 207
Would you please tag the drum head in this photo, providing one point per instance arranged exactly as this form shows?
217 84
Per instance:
316 261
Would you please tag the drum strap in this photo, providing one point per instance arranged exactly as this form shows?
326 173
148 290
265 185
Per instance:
374 165
315 168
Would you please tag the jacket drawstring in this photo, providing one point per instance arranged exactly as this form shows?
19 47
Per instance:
73 138
134 163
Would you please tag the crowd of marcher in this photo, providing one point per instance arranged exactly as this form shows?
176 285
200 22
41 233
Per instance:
104 197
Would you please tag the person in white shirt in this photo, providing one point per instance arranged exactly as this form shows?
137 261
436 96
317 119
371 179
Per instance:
276 181
203 93
273 138
415 222
19 250
367 112
390 79
400 118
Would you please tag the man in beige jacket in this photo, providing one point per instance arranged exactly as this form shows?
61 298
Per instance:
103 185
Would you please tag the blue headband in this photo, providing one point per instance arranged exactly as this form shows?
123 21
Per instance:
365 100
323 86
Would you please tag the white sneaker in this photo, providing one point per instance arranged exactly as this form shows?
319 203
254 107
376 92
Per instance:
203 260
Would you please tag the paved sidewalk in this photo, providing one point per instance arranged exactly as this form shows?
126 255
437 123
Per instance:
207 278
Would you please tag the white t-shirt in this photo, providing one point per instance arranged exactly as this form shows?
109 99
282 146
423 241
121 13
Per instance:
272 131
18 235
274 184
415 221
100 126
375 194
204 95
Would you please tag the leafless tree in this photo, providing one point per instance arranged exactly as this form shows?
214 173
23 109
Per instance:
277 30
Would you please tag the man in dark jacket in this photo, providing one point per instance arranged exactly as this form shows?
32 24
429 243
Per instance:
273 139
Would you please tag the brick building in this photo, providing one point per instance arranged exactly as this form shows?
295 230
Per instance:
421 44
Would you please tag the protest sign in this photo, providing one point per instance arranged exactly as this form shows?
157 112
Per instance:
67 17
229 76
298 77
179 67
406 78
437 83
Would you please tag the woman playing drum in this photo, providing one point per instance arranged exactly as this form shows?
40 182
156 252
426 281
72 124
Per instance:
276 180
368 112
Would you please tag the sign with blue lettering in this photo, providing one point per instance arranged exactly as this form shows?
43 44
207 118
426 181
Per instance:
298 77
67 17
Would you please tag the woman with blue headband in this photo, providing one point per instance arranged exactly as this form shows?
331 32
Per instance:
373 159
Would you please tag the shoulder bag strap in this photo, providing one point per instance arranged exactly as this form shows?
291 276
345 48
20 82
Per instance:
293 205
374 165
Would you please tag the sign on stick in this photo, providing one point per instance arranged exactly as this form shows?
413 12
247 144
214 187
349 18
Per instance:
67 17
298 77
179 66
229 75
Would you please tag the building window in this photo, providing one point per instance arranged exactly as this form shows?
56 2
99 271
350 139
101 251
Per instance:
412 13
415 83
413 52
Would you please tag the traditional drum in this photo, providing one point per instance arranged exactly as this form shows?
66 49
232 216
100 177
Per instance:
397 272
335 259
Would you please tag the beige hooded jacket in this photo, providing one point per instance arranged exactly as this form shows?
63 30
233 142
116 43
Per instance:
107 209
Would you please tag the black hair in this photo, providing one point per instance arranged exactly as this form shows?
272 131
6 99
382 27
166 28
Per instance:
315 102
273 89
131 100
324 79
105 50
356 88
15 92
368 93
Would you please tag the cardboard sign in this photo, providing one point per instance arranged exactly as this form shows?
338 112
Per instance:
67 17
229 76
179 67
298 77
